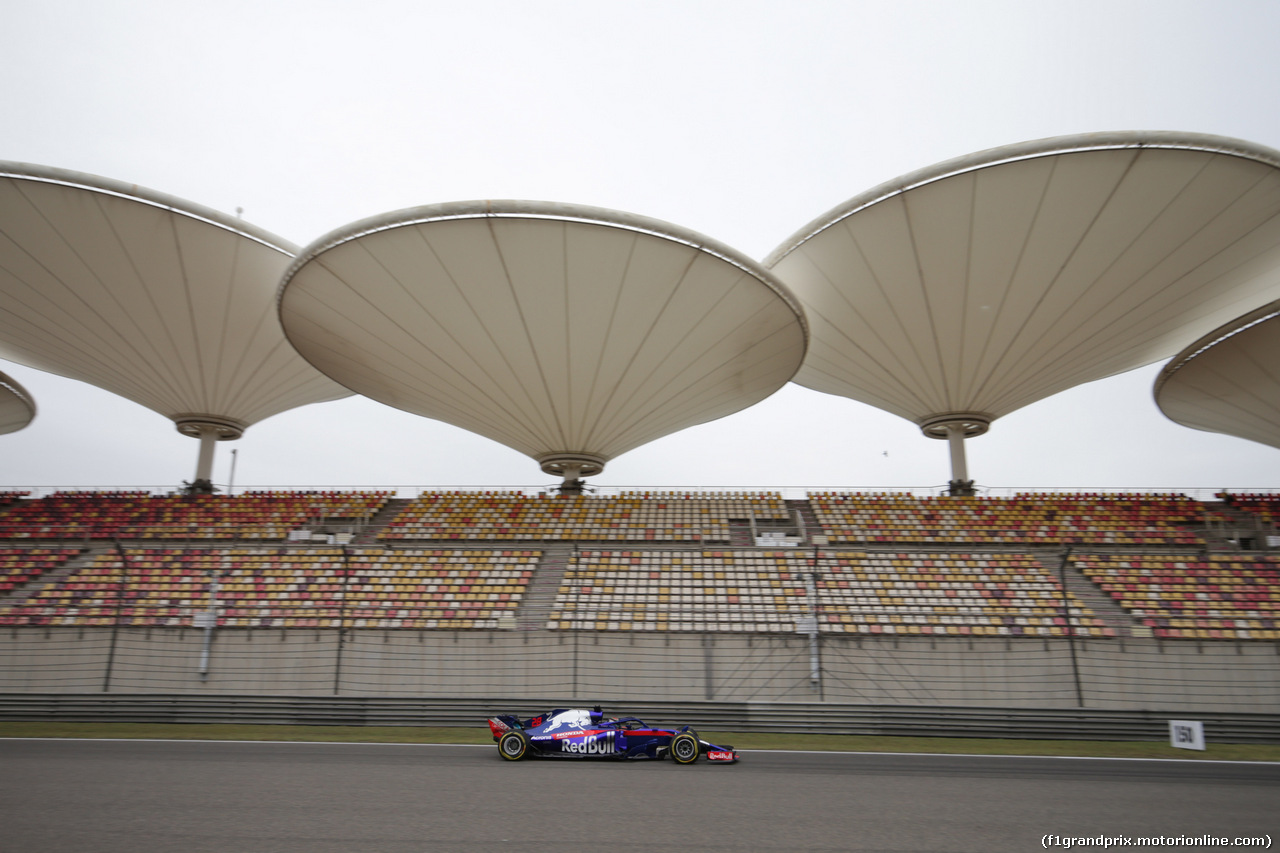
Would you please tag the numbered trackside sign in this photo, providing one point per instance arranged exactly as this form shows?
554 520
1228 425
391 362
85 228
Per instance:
1186 734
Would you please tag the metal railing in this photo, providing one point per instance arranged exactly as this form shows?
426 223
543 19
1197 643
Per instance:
1200 493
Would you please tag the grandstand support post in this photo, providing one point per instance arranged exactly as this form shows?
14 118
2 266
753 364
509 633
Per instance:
815 650
1071 633
815 661
574 684
708 674
342 620
115 623
210 622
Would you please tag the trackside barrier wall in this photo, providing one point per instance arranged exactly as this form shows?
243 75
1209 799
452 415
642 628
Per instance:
1188 677
821 718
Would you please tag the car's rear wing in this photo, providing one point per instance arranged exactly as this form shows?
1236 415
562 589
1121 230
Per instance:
503 723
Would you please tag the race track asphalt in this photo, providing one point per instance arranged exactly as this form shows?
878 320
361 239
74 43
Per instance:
91 796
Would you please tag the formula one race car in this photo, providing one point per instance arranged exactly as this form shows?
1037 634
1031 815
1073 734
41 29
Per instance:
569 733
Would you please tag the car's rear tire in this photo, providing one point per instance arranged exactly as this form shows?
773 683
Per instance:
684 748
513 745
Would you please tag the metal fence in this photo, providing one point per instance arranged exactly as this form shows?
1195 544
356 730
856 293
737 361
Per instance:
1114 674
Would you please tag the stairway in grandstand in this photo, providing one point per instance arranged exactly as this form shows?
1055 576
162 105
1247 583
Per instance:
540 597
807 525
1230 529
740 534
1103 606
376 522
20 594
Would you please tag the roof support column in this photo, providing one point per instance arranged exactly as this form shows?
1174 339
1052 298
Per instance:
572 467
207 429
204 463
960 483
955 427
572 484
959 465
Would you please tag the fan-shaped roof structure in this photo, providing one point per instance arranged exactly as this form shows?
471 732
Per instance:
17 409
151 297
569 333
962 292
1229 380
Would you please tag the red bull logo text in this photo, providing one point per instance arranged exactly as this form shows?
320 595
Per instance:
590 745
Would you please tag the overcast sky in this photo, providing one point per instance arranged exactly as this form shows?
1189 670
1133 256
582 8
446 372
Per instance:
741 120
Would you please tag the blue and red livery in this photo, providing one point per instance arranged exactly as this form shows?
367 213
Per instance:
574 733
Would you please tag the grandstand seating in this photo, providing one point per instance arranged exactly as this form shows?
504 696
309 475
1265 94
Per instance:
140 515
22 565
1264 506
660 561
287 588
1227 597
1028 519
853 592
633 516
996 594
739 590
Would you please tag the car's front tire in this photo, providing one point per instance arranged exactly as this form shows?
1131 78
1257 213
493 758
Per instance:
684 748
513 746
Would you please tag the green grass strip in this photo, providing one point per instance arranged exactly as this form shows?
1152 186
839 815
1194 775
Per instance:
741 740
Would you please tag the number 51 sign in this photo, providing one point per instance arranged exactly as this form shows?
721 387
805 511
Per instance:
1186 734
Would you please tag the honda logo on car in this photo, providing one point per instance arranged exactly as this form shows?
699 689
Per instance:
590 745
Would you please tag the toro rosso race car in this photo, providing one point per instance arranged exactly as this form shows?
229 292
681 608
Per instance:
567 733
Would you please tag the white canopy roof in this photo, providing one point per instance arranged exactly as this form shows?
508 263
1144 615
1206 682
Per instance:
569 333
17 409
157 299
962 292
1229 380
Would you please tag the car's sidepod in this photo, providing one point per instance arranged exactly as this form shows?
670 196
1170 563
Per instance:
581 742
